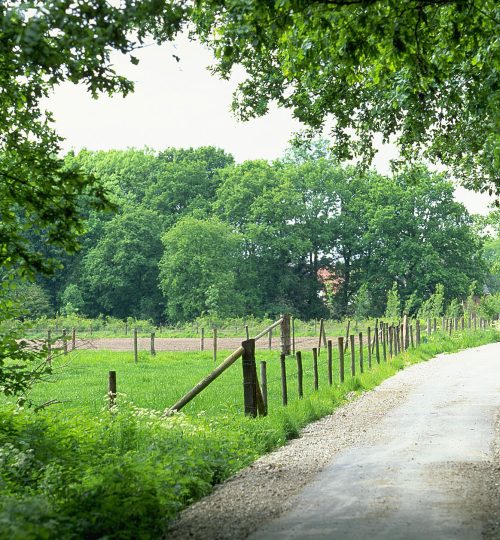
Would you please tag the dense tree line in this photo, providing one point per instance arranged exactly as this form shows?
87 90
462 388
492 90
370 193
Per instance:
194 233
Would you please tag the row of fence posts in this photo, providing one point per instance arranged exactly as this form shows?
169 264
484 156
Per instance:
388 341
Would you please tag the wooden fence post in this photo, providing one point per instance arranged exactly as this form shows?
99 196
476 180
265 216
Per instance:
247 332
469 322
300 374
375 335
112 389
396 339
384 343
369 348
136 355
411 337
249 379
330 362
285 335
462 323
321 330
443 325
377 347
65 341
417 333
284 391
346 342
390 341
49 347
475 322
263 384
153 351
406 337
315 366
202 339
353 356
215 344
360 339
73 339
428 327
293 335
455 323
90 330
435 325
341 358
126 328
270 338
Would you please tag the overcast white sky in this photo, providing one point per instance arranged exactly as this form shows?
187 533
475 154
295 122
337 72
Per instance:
182 105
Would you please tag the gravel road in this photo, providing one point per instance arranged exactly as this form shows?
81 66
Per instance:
418 457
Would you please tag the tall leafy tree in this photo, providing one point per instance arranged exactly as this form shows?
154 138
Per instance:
198 270
424 73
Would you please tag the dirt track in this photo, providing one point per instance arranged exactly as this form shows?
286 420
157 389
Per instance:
183 344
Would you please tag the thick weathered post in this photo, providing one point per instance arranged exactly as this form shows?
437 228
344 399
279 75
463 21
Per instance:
369 348
341 358
152 348
353 356
300 374
263 384
330 361
136 355
249 379
315 367
285 335
284 391
112 389
360 339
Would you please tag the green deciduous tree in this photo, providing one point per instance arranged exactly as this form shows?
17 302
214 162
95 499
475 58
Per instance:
422 72
393 305
198 270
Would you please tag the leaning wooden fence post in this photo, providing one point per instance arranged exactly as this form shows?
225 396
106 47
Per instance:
315 367
360 339
284 392
215 344
249 382
152 349
375 335
341 358
136 355
330 362
112 389
300 374
263 384
73 339
369 348
353 356
285 335
65 341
